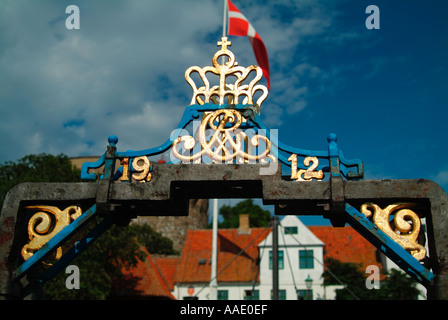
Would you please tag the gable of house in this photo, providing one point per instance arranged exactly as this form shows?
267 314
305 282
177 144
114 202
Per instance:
292 232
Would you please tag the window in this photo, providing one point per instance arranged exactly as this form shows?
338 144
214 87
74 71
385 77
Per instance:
280 260
306 260
291 230
281 294
251 295
223 294
305 294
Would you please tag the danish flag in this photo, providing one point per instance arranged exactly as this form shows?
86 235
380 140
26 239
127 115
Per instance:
240 26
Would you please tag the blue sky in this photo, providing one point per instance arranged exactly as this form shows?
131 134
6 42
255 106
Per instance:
383 92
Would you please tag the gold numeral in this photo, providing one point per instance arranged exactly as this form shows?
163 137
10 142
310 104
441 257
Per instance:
307 174
141 165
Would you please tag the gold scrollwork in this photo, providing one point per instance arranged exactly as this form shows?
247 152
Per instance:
404 229
141 165
308 174
226 143
45 224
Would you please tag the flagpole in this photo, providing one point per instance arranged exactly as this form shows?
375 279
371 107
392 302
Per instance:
214 264
224 20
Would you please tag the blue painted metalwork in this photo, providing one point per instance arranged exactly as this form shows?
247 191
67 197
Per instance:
55 242
77 249
331 161
388 246
194 112
92 165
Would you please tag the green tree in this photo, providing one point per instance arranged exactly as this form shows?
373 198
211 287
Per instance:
350 275
258 217
37 168
396 285
101 264
153 241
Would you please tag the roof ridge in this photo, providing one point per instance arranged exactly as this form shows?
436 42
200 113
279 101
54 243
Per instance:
158 274
161 275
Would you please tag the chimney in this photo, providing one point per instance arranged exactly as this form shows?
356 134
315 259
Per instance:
244 224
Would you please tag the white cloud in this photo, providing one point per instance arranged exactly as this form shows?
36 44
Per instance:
34 142
123 72
125 55
272 115
441 178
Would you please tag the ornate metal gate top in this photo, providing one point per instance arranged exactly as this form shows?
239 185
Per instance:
221 148
223 125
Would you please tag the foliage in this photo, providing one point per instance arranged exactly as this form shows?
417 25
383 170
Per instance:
257 216
396 285
153 241
36 168
101 264
349 274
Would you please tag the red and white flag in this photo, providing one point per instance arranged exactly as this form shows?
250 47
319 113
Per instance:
240 26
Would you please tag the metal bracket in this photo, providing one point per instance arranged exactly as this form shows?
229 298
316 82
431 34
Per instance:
388 246
337 204
102 195
54 243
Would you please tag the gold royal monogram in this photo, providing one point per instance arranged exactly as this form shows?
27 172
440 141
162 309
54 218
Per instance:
233 91
228 142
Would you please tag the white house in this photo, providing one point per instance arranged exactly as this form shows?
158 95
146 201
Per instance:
300 261
245 264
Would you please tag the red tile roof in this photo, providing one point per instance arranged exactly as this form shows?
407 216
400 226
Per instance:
155 277
148 280
167 268
234 265
346 245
